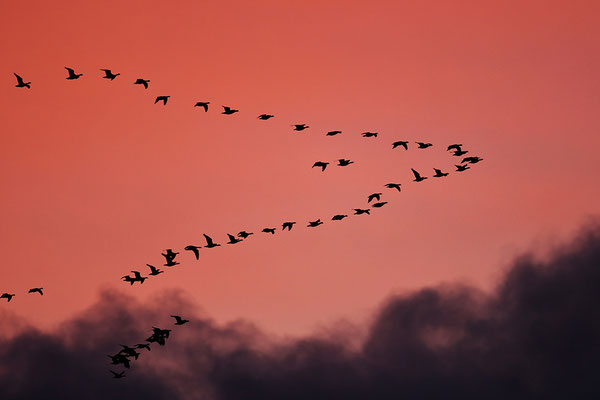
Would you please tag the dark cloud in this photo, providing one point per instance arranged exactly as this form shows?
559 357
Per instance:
536 337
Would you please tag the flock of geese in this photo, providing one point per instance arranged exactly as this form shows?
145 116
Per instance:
374 201
127 353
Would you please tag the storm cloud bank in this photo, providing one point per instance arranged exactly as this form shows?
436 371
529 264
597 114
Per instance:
536 336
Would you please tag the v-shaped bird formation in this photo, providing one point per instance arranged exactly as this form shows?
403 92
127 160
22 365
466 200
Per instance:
373 201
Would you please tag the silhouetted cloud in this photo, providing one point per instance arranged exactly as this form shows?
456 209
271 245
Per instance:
536 336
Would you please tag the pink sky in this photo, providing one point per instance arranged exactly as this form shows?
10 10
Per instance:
98 180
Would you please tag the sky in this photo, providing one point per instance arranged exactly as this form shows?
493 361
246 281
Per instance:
98 181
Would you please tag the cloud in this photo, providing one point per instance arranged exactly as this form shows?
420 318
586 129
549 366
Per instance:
536 336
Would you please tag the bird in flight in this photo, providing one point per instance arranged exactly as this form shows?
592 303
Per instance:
128 351
108 74
338 217
369 134
379 204
21 83
143 346
423 145
7 296
117 375
358 211
179 320
233 239
374 196
393 186
472 160
229 110
128 278
265 117
141 81
164 99
400 143
138 278
203 104
269 230
343 163
312 224
170 258
439 173
333 133
72 74
288 225
455 147
461 168
194 249
244 234
418 177
321 164
300 127
154 271
36 290
120 359
209 242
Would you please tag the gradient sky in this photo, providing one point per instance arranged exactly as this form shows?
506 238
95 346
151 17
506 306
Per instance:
97 180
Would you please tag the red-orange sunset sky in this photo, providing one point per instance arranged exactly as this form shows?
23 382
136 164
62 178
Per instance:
98 181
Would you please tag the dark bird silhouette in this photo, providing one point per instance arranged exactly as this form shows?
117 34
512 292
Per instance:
300 127
161 332
455 147
138 278
439 173
321 164
338 217
209 242
203 104
36 290
154 338
394 186
358 211
72 74
471 160
129 279
374 196
108 74
265 117
229 110
179 320
233 239
418 177
400 143
194 249
244 234
21 83
120 359
170 258
459 153
369 134
129 351
333 133
164 99
288 225
143 346
117 375
269 230
379 204
312 224
7 296
154 271
461 168
342 162
423 145
141 81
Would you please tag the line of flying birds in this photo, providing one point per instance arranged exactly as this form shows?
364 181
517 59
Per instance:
127 352
9 296
169 255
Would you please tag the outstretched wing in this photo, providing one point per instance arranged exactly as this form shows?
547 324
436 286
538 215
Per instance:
19 79
417 175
